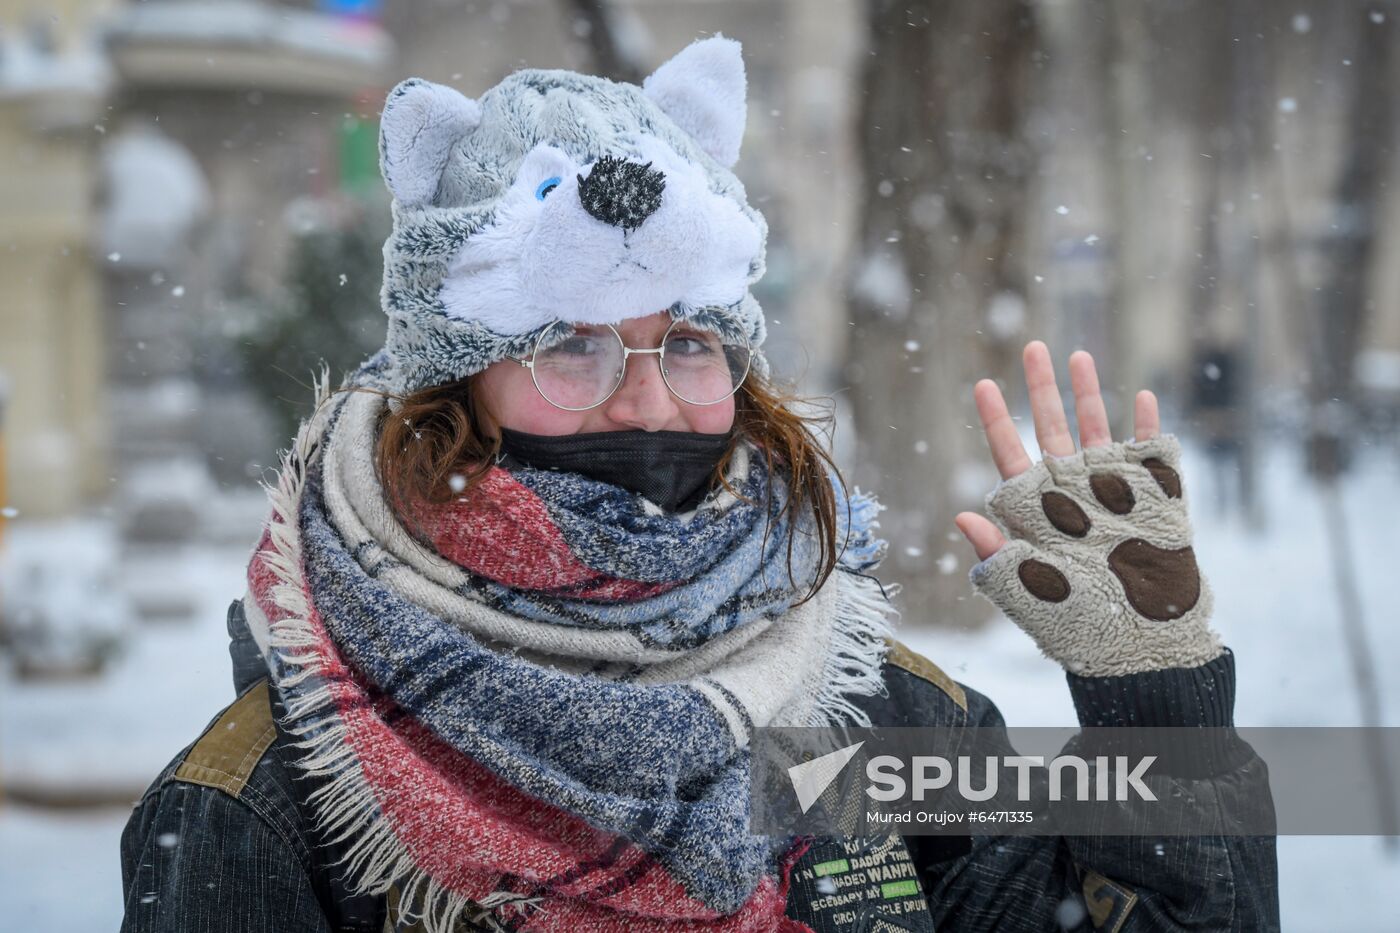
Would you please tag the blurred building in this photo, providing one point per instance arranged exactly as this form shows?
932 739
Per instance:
229 113
53 86
151 154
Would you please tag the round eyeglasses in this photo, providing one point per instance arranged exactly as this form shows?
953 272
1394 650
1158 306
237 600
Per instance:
582 370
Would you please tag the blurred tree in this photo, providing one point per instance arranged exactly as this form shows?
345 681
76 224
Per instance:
938 286
1231 104
327 312
597 22
1333 329
1336 325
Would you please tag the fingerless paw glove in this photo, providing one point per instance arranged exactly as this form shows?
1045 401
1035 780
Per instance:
1098 566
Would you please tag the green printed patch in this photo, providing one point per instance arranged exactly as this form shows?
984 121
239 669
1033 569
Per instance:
834 867
906 888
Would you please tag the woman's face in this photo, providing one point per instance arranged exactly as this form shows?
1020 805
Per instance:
641 402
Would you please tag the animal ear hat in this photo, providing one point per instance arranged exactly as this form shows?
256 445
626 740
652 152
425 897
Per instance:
558 196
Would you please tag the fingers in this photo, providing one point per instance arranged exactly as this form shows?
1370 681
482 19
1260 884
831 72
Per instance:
1088 402
986 539
1145 416
1051 427
1005 443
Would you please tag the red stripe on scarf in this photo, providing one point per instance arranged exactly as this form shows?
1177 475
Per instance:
470 830
502 531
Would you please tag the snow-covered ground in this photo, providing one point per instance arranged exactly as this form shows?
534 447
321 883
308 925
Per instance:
1275 605
59 870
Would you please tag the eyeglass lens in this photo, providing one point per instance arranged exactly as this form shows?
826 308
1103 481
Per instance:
584 368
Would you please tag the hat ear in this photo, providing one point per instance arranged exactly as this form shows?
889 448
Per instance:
417 130
703 89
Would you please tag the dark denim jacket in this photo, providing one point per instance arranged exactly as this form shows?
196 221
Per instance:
223 842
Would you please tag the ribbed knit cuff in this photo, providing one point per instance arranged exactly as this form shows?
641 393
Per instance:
1178 696
1182 716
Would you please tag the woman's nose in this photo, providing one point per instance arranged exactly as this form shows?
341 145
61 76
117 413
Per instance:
643 400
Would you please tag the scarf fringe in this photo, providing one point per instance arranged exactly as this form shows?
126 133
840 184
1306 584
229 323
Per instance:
345 807
866 550
866 617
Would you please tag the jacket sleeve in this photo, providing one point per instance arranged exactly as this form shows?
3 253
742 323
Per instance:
1116 883
197 860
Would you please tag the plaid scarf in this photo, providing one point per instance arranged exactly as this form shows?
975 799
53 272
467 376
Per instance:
535 708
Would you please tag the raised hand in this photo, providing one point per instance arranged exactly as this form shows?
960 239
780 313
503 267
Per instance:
1090 551
1051 428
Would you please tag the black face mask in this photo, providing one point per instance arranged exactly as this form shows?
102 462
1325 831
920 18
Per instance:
671 468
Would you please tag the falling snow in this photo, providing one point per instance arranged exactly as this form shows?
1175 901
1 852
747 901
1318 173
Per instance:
1070 913
883 283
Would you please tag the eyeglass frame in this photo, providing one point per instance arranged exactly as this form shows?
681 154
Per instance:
626 355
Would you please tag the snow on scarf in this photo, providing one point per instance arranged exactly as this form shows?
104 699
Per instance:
546 712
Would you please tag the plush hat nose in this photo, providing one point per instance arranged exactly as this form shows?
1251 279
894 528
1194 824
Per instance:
621 193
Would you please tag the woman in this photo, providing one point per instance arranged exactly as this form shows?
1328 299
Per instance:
525 593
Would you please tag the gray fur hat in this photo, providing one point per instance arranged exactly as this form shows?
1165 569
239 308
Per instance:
558 196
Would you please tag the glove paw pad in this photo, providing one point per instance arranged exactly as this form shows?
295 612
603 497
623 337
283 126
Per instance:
1043 581
1166 477
1161 584
1065 514
1113 492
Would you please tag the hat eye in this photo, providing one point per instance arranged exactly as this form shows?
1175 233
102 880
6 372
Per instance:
546 186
